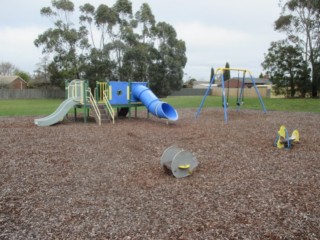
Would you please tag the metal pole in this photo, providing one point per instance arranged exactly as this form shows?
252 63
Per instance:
224 98
258 93
205 96
85 88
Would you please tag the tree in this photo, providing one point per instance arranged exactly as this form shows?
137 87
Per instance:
287 68
118 45
189 83
41 74
63 41
299 20
24 75
226 73
146 18
168 59
141 49
57 75
128 47
7 68
303 83
87 17
140 39
98 63
211 74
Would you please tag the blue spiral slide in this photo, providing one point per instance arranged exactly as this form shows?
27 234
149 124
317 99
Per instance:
153 104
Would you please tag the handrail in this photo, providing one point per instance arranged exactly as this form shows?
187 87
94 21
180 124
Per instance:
95 106
75 91
108 105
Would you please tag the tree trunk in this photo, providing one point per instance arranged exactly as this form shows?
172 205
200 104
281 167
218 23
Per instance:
292 90
314 85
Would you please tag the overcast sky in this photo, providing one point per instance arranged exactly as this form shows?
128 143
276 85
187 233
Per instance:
215 31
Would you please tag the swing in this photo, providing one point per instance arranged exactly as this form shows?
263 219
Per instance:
227 102
240 99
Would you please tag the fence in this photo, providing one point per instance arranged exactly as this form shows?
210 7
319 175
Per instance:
31 93
189 92
264 91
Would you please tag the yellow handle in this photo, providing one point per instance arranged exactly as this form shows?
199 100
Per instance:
184 166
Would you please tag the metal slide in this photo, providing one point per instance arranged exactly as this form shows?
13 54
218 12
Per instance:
153 104
58 114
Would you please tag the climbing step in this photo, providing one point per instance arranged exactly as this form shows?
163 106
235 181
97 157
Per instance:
103 113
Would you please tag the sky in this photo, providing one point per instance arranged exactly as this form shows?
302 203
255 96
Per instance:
215 31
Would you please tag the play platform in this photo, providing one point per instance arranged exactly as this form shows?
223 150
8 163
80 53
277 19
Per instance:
108 97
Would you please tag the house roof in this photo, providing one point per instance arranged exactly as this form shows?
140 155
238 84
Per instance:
202 84
9 79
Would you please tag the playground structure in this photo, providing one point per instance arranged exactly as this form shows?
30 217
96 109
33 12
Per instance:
109 96
240 97
283 140
179 161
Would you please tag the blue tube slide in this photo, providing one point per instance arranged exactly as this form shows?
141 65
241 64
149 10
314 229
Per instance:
153 104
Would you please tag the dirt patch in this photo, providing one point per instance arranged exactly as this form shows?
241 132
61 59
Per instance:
82 181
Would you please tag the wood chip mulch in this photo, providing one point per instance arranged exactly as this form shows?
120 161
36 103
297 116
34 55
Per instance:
84 181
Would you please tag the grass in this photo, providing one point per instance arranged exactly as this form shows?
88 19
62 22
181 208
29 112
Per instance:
34 107
28 107
273 104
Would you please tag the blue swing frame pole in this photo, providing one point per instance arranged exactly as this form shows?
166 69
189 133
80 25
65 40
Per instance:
258 93
224 98
205 96
224 94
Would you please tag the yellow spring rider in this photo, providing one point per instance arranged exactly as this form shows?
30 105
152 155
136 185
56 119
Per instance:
283 140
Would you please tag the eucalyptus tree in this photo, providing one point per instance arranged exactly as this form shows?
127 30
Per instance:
113 43
146 19
87 19
99 22
300 21
153 53
169 59
139 38
118 45
66 43
113 25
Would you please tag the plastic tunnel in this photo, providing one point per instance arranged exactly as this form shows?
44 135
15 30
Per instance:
153 104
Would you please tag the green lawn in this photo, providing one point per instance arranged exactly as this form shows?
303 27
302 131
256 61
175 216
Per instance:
297 105
34 107
28 107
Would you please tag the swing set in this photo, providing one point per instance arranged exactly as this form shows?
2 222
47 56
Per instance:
240 100
225 98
